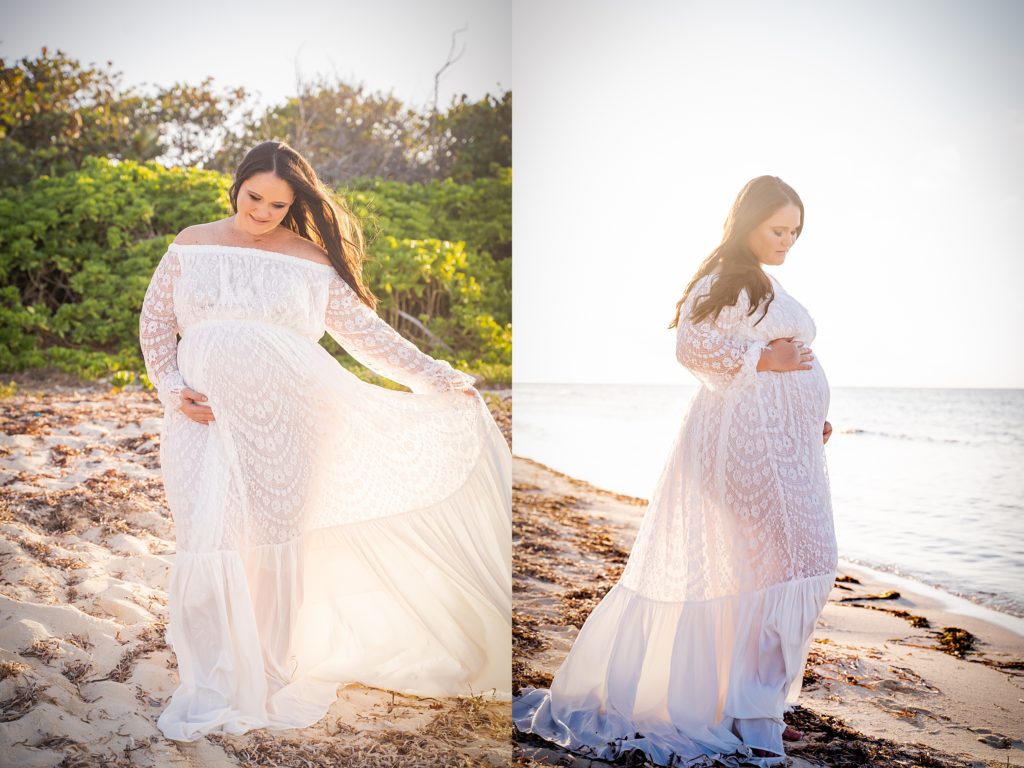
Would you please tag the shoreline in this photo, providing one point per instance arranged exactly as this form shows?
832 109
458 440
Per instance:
892 677
953 602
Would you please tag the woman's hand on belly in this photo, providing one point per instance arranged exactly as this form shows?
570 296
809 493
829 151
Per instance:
785 354
194 410
826 433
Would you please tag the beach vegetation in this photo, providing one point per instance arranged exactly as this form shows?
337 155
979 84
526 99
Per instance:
98 179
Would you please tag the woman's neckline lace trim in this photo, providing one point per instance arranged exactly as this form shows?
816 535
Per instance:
277 255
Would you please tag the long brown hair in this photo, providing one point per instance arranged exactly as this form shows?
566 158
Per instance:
738 266
316 214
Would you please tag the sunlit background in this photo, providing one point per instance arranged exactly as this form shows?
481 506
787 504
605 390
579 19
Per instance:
901 124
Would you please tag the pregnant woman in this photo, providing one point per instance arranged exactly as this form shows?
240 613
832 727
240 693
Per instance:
328 530
694 654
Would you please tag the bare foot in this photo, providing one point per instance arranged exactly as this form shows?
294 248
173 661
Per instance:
792 734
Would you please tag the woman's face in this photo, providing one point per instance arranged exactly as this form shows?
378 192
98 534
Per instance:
773 237
263 202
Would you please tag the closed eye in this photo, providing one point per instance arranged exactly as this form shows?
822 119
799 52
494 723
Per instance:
276 205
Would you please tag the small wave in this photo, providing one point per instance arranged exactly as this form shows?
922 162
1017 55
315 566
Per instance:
904 436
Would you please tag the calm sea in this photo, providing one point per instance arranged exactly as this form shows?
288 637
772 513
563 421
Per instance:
926 483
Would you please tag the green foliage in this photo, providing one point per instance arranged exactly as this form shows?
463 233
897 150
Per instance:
76 255
459 282
493 374
122 379
443 286
479 137
55 113
478 213
78 250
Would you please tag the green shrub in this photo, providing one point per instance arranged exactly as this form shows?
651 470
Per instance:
77 253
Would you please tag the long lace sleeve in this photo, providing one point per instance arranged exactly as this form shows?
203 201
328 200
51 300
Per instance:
379 347
158 331
720 351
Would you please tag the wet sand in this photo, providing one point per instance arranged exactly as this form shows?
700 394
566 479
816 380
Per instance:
890 681
86 542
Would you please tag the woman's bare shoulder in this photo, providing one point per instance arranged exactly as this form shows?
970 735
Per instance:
197 234
306 249
288 242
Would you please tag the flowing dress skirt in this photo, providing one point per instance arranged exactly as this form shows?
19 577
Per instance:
329 531
693 656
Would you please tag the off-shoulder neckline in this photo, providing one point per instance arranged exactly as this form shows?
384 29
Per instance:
262 251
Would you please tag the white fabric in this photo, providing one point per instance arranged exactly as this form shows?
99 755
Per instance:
694 654
328 530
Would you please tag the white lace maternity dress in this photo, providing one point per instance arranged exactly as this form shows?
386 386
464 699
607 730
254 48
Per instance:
694 654
328 530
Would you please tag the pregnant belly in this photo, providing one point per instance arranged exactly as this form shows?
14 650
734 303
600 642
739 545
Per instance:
232 362
796 400
809 388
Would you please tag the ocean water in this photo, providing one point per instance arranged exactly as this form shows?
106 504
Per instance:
926 483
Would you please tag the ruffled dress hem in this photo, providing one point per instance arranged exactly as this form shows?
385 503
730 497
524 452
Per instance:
687 683
417 602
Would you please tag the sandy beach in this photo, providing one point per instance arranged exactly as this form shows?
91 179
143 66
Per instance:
896 676
86 545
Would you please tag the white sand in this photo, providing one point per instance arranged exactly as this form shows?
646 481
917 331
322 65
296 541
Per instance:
86 544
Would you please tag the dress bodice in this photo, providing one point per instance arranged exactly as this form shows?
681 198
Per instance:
197 286
723 350
222 282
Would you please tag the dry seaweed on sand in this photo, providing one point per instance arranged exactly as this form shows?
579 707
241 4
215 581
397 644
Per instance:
956 641
46 650
919 622
466 717
829 740
150 639
12 668
24 698
380 749
501 411
526 676
578 604
889 594
525 637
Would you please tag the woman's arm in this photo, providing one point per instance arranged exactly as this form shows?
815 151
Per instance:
723 353
378 346
719 351
158 332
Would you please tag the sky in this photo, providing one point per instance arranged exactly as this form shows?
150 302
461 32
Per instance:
900 124
388 45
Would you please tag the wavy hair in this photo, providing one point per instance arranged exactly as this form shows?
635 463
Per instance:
738 267
317 213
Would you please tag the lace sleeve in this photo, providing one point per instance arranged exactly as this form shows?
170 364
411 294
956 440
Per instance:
158 331
379 347
719 351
